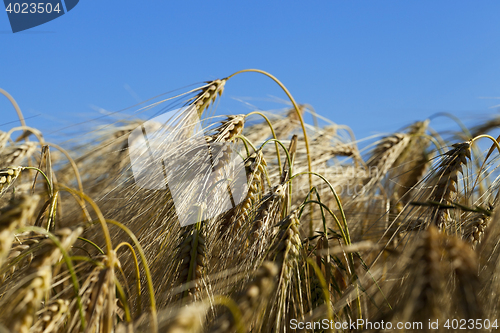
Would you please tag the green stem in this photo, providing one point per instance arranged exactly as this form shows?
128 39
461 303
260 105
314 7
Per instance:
337 199
100 217
324 287
92 243
289 159
274 135
43 174
137 272
302 124
235 311
146 269
69 263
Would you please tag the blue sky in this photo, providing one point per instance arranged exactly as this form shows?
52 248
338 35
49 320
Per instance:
373 65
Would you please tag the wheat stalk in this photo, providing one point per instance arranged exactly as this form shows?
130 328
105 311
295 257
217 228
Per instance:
464 265
4 138
248 267
411 165
424 296
98 300
288 245
228 129
475 228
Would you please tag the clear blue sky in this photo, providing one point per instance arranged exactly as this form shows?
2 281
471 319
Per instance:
373 65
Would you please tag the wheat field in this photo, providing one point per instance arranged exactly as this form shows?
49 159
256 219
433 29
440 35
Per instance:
400 236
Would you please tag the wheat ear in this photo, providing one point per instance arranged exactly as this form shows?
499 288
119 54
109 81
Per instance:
208 95
25 299
22 253
444 182
14 216
13 155
191 256
385 155
7 177
51 317
424 296
255 166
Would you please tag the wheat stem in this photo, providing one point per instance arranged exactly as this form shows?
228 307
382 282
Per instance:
302 124
274 135
121 292
234 309
15 105
100 217
43 174
495 142
337 199
92 243
137 272
288 157
324 287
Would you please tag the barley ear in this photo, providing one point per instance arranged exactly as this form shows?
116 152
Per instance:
16 215
208 95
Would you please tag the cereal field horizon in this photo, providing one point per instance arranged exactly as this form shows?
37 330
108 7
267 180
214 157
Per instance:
401 235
